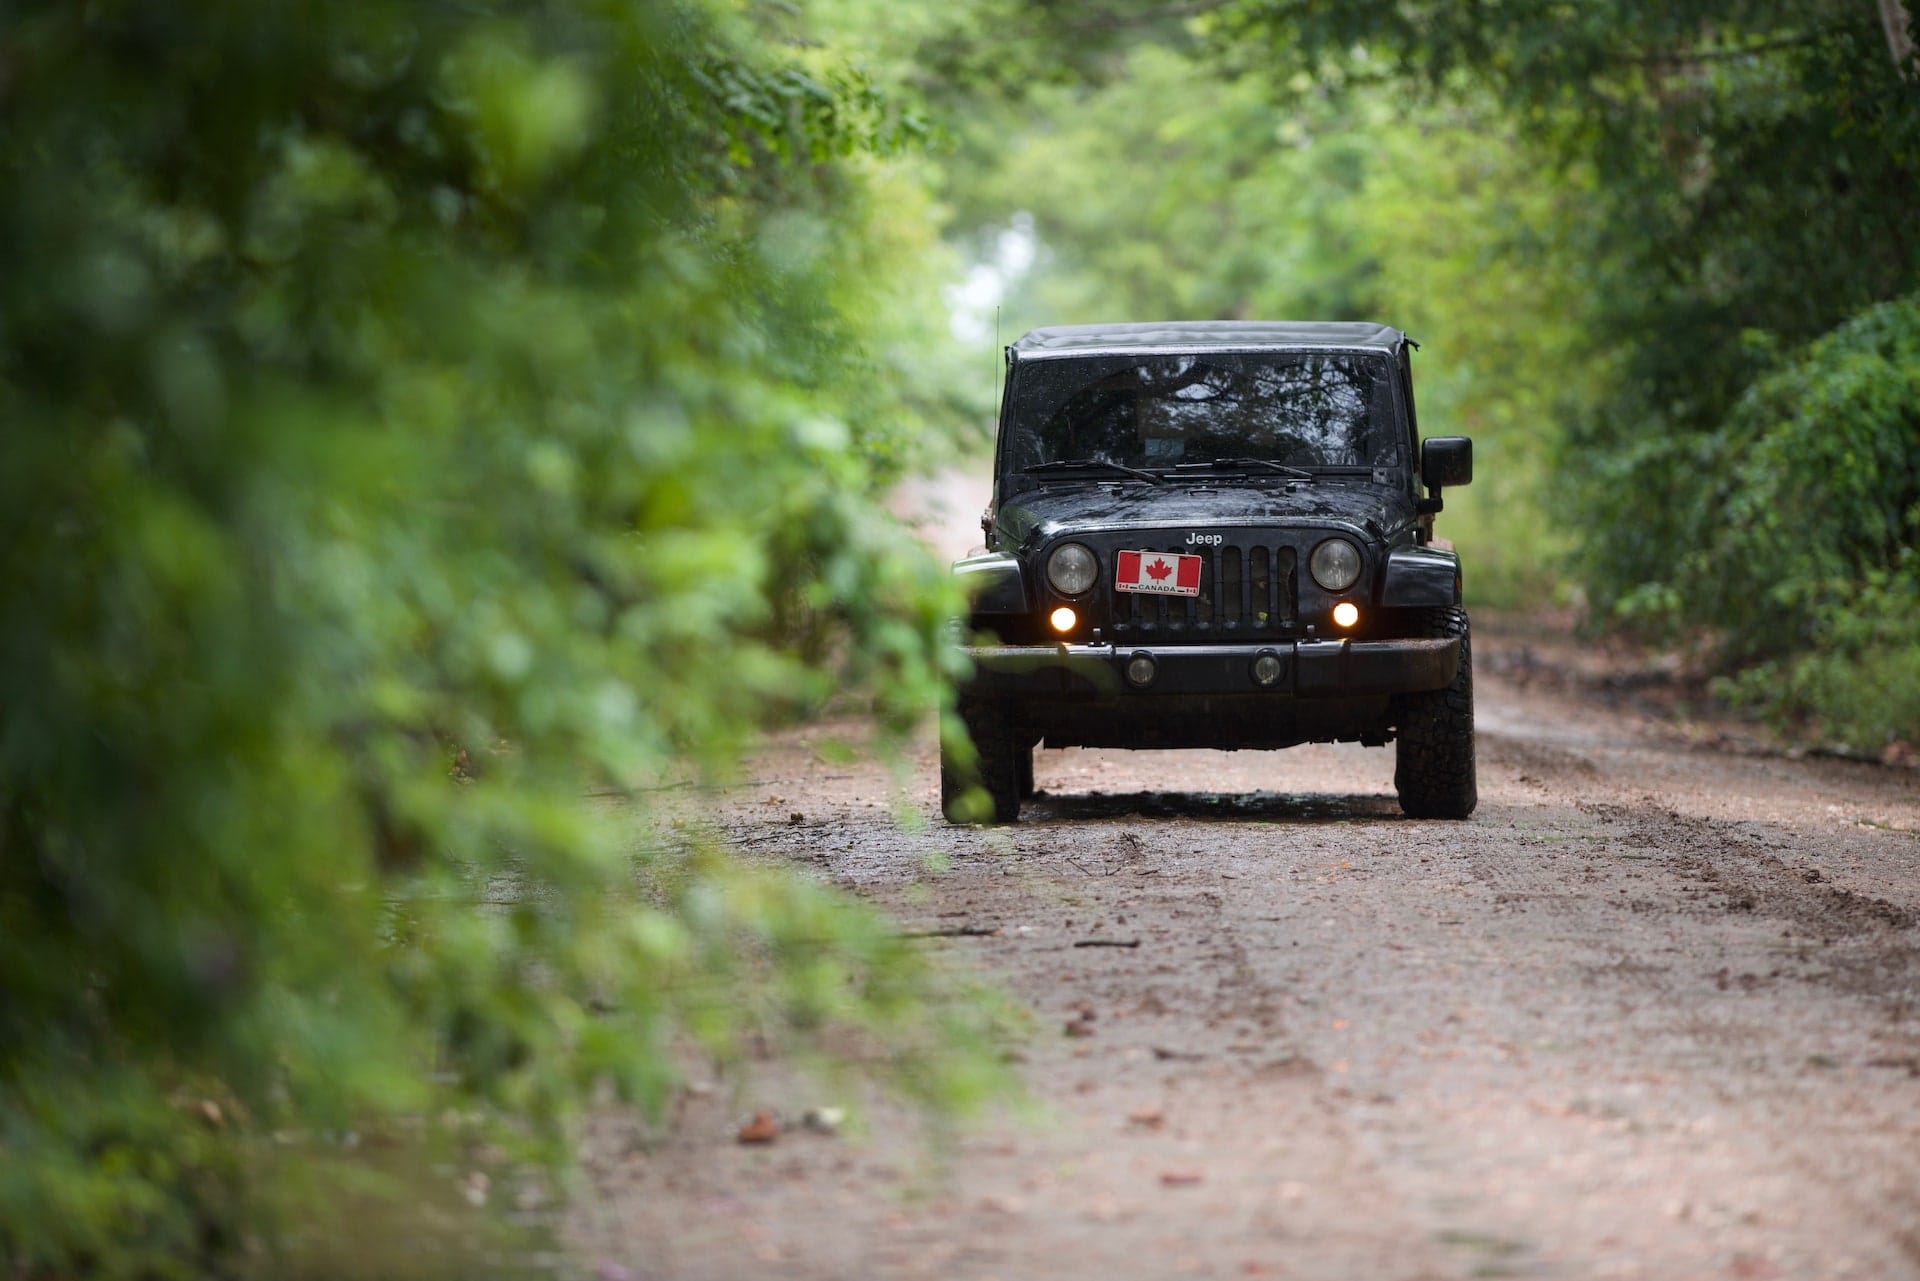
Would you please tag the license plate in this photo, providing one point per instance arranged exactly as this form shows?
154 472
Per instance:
1157 573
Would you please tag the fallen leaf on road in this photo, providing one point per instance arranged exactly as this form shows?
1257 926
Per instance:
763 1128
1183 1178
1150 1118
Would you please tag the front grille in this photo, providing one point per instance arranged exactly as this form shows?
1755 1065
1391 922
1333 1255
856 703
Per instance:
1247 590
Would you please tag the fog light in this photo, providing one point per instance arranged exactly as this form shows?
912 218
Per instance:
1267 668
1063 619
1140 669
1346 614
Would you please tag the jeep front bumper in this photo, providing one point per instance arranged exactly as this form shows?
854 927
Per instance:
1333 669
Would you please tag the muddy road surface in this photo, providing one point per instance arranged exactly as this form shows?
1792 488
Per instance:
1653 1012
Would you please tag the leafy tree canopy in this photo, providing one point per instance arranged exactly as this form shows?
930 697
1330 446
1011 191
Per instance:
1756 165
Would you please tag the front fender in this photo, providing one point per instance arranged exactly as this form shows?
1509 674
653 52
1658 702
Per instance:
1420 576
993 582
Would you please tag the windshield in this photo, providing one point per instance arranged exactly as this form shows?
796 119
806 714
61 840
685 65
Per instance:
1301 409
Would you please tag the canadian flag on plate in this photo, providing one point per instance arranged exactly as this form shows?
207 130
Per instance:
1157 573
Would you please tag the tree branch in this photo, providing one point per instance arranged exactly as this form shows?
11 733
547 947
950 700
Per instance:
1681 58
1898 25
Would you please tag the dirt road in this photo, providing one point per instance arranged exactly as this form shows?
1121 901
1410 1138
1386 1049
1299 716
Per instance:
1654 1012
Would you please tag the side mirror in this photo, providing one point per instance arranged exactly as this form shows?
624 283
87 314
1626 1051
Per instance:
1446 461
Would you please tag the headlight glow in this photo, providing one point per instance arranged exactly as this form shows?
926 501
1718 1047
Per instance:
1071 569
1346 614
1335 564
1063 619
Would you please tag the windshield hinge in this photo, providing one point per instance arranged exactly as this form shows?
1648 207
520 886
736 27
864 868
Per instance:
1380 475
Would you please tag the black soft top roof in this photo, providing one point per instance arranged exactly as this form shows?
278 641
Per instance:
1205 335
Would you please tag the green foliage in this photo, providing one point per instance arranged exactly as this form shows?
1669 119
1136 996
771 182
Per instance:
1748 170
414 416
1772 551
1475 252
1858 684
1818 584
1769 165
1753 171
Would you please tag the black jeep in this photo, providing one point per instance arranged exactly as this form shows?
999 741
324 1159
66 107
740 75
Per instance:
1213 535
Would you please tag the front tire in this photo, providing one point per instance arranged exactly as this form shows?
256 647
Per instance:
999 773
1434 772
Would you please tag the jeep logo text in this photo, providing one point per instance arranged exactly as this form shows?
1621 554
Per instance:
1203 540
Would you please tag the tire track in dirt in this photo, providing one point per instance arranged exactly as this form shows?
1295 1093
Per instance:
1860 945
1869 946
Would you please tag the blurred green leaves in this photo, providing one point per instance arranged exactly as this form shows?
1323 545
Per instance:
524 115
415 415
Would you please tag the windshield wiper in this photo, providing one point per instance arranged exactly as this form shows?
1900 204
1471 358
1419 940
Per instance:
1093 464
1268 463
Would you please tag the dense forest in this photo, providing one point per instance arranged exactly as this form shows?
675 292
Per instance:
411 415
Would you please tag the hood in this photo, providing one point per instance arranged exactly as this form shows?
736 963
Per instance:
1376 513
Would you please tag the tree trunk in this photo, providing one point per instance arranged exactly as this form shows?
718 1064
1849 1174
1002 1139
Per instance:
1893 16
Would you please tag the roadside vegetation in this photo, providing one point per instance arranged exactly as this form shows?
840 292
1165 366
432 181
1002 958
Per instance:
411 416
415 416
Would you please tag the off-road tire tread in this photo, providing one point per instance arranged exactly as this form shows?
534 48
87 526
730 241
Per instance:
1434 772
993 745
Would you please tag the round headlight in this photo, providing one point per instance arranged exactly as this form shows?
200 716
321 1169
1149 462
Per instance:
1070 569
1335 564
